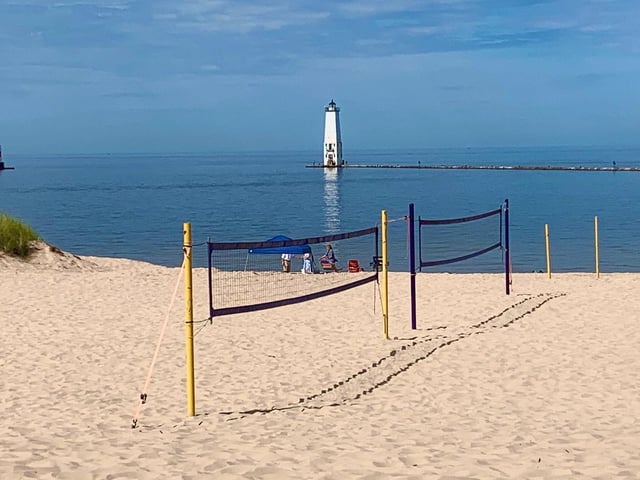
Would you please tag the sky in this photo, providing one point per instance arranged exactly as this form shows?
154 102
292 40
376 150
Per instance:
107 76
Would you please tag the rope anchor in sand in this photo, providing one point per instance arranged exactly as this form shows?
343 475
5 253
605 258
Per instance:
143 394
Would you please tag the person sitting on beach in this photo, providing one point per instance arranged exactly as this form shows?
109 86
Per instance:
329 260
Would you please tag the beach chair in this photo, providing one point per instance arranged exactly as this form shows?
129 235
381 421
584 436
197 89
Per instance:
328 266
354 266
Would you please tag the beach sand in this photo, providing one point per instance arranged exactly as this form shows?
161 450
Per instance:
541 384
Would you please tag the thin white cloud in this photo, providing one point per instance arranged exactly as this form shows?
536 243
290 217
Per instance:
435 29
381 7
123 5
106 4
219 15
595 28
165 16
199 7
426 30
375 7
372 42
552 24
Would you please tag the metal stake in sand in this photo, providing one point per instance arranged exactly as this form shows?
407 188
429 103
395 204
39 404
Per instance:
546 243
595 226
188 317
385 277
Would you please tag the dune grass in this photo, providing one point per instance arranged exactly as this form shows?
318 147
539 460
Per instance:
15 236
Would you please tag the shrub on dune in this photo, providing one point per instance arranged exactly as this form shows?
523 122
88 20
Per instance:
16 237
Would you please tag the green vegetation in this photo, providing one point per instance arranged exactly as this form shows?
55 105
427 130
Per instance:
15 236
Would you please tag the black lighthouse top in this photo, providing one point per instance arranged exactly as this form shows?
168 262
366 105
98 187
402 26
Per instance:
332 107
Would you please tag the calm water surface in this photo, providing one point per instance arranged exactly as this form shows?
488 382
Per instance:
133 206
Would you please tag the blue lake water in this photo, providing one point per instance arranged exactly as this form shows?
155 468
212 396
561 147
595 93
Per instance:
134 206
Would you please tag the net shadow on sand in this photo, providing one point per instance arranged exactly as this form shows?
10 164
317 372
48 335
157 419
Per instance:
380 372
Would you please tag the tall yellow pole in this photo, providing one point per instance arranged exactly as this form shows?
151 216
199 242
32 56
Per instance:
595 226
546 243
188 317
385 277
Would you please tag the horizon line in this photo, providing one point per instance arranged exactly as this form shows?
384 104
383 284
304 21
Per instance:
312 151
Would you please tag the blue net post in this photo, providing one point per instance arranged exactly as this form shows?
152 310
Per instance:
210 279
376 260
412 265
507 259
419 245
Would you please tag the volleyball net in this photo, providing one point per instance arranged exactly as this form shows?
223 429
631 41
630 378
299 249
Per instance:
251 276
463 239
452 240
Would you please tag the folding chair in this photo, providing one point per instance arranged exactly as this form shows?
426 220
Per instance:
328 266
354 266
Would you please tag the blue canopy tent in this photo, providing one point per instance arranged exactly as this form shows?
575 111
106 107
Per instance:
291 249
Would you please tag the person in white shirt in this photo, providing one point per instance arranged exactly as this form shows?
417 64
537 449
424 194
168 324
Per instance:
285 260
307 265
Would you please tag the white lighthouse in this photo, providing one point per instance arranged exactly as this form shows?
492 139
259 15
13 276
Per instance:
332 139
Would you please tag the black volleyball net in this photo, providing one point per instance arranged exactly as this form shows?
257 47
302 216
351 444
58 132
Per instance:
250 276
465 239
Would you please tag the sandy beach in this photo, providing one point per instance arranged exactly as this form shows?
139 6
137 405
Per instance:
541 384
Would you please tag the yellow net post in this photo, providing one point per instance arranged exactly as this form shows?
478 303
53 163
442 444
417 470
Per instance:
595 226
188 317
385 277
546 243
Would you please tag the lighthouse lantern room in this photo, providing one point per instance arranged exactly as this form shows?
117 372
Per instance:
332 139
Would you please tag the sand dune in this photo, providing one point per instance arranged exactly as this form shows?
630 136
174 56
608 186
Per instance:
539 384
